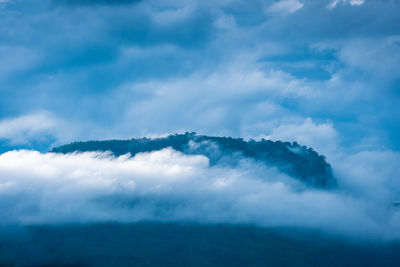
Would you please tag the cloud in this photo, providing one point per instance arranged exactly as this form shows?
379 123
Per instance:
363 54
371 174
356 2
21 130
285 6
95 2
334 3
211 99
237 65
40 129
323 137
167 185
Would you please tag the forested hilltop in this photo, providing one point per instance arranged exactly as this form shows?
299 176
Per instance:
291 158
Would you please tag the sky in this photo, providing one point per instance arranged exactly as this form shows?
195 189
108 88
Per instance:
323 73
81 70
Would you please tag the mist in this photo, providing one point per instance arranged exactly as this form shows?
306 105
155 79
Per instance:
169 186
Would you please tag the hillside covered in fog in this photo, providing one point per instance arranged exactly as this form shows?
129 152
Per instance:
291 158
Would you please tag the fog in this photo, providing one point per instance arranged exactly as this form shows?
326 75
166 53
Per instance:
169 186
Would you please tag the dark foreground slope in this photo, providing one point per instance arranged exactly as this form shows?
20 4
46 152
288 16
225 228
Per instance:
155 244
291 158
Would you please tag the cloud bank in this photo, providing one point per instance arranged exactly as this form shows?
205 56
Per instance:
166 185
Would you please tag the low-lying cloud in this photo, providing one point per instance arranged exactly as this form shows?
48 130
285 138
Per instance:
166 185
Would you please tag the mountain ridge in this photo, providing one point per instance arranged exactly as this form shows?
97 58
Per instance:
298 161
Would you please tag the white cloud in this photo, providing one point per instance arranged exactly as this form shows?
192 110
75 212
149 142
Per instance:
334 3
285 6
212 100
169 186
323 137
20 130
37 127
356 2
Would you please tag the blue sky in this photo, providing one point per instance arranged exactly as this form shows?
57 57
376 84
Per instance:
324 73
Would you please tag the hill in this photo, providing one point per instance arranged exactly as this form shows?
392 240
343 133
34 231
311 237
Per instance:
298 161
157 244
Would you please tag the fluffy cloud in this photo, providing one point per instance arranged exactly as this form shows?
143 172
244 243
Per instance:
167 185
